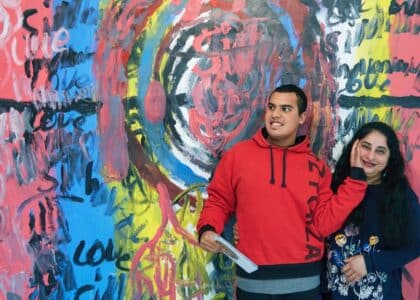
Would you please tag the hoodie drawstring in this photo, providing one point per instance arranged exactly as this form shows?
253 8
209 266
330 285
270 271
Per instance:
283 182
272 180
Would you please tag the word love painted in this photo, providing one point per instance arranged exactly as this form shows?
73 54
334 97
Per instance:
97 253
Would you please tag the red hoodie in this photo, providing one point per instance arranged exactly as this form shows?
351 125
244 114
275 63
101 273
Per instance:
283 204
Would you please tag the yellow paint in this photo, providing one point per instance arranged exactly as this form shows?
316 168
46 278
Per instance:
132 79
172 253
162 66
376 48
149 32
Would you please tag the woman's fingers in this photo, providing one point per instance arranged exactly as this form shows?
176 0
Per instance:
354 269
355 155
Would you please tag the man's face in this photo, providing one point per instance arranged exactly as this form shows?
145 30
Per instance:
282 118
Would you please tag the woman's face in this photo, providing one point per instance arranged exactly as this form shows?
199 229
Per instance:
374 154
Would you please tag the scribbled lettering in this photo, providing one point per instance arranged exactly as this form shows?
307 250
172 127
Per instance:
33 64
114 289
91 184
375 27
26 14
48 137
82 290
409 8
344 11
38 52
370 71
97 253
331 40
49 178
69 13
366 30
60 40
101 195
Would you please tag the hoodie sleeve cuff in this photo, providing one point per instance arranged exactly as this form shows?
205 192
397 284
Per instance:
357 173
204 229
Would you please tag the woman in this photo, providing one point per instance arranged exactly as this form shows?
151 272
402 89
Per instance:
366 257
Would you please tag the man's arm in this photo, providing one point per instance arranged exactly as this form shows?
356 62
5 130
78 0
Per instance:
333 209
220 204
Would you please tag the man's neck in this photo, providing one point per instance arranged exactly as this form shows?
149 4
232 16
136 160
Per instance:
283 143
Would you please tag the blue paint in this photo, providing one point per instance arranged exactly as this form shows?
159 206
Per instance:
85 221
287 23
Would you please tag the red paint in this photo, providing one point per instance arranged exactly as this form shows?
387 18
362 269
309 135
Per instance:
403 46
411 141
15 257
17 43
217 124
155 102
150 254
116 38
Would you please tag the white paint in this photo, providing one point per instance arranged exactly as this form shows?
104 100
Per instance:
17 124
60 38
17 61
5 21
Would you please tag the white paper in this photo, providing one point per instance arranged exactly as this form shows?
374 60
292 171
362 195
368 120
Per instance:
237 256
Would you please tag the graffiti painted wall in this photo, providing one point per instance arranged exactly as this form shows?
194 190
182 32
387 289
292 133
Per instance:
114 113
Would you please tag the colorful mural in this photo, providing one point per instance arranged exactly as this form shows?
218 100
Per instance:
114 113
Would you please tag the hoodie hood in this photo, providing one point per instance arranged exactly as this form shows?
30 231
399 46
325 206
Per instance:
301 145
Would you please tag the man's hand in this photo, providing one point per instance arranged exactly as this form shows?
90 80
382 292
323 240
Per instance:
208 243
354 268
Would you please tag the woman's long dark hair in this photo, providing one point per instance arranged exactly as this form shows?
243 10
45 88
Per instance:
394 207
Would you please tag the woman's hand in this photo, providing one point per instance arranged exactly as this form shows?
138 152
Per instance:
354 268
355 160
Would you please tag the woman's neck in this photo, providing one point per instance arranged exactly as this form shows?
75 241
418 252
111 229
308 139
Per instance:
374 180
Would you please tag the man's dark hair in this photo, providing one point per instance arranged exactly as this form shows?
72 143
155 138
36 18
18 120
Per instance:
300 94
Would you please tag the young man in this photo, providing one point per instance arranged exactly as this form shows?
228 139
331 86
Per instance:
280 193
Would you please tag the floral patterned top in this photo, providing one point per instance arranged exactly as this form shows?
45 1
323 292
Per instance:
384 267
